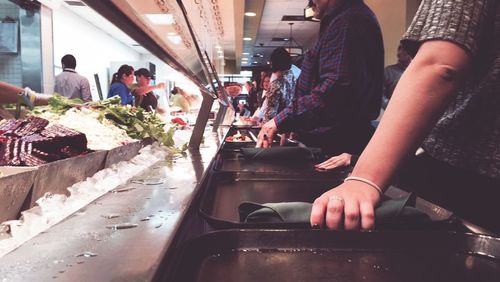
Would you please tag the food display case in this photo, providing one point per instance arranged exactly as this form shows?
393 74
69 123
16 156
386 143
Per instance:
156 213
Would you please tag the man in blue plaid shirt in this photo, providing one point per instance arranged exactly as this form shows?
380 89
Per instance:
339 89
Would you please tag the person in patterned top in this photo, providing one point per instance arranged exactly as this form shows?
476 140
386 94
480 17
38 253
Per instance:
449 97
339 90
282 88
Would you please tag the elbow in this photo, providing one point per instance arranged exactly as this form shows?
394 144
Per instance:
446 72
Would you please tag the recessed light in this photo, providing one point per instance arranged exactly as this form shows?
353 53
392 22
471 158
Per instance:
247 38
250 14
246 53
255 62
221 56
161 19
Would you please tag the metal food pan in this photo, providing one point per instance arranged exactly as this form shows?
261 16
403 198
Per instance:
247 131
233 161
56 176
320 255
225 191
15 185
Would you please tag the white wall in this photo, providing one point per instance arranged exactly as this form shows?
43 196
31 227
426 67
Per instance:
92 48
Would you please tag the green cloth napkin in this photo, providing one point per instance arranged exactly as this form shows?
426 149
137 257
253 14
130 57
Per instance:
280 153
390 211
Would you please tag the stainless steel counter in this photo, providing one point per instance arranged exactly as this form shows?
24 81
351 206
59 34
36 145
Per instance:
131 254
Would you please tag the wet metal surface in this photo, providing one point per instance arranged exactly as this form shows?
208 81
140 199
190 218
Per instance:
122 153
321 255
122 254
14 187
55 177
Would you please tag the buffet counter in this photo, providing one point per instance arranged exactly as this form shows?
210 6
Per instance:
121 236
177 222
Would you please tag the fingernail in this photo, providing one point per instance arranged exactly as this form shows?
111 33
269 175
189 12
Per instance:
315 226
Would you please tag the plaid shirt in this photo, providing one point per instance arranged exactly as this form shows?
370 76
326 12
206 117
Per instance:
341 79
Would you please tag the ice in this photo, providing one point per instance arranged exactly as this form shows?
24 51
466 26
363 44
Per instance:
52 208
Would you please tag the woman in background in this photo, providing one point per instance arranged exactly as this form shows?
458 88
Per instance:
120 85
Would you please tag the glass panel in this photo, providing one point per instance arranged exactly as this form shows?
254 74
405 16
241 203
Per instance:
164 22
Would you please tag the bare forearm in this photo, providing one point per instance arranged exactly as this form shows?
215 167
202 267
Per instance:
144 89
8 93
419 99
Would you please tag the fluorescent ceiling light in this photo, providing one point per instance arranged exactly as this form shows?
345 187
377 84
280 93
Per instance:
218 47
176 39
246 53
250 14
247 38
220 51
161 19
171 33
221 56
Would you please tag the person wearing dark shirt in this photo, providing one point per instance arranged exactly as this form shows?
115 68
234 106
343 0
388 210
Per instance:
252 100
339 89
392 74
143 91
120 84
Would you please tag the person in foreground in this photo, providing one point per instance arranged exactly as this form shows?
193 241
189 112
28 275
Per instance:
452 86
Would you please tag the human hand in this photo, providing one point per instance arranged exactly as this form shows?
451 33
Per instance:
283 138
341 160
160 85
266 134
349 206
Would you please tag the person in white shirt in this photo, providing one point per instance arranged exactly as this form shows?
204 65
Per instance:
69 83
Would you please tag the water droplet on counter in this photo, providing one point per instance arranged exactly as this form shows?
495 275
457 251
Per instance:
145 219
158 225
119 190
110 216
149 181
55 276
125 225
61 271
87 255
174 187
58 261
69 265
79 213
80 262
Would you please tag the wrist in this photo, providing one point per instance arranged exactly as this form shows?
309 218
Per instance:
366 181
